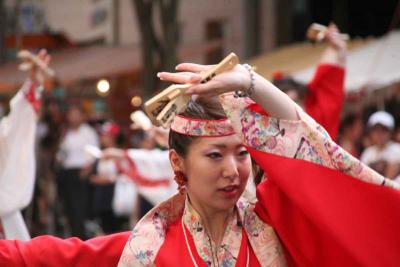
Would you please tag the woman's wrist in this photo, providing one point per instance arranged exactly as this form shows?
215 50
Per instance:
247 84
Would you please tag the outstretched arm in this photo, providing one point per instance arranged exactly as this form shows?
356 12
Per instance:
52 251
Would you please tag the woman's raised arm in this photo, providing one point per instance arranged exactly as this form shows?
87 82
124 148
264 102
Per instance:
264 93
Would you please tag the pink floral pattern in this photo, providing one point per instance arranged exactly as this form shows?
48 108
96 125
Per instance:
198 127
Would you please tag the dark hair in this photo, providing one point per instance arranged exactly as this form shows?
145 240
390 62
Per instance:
349 120
288 84
120 138
200 108
137 136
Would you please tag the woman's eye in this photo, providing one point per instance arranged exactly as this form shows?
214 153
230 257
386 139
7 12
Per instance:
243 153
214 155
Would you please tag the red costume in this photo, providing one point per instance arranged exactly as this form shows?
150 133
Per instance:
325 97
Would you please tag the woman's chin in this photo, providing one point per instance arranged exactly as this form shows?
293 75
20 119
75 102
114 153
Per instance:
226 204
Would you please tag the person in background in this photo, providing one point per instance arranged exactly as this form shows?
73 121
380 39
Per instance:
396 135
323 97
383 155
111 136
17 156
141 139
75 165
351 130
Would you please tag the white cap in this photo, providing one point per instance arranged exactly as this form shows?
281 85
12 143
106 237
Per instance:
140 120
383 118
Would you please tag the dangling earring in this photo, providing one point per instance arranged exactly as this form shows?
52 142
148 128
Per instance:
181 180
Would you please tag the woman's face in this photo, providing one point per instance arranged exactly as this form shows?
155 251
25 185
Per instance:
107 140
217 169
75 117
379 135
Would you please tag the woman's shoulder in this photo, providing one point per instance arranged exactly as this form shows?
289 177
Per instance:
149 233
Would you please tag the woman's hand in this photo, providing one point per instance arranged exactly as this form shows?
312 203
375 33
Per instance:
336 52
237 78
270 98
37 75
334 38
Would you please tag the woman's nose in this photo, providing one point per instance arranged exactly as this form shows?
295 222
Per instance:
230 168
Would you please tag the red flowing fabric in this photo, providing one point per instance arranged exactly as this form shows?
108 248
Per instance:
326 218
174 251
325 98
52 251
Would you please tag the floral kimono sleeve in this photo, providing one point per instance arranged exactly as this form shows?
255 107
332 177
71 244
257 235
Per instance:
302 139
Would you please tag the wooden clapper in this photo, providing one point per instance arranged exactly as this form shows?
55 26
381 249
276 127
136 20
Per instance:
29 60
163 107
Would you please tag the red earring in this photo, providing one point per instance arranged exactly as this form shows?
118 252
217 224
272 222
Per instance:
181 180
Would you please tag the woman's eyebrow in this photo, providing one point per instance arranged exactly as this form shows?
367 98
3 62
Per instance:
219 145
225 146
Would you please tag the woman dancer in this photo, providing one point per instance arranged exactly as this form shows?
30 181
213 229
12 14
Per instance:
317 206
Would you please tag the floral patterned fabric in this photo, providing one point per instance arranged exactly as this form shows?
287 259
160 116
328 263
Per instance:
303 139
149 234
230 245
198 127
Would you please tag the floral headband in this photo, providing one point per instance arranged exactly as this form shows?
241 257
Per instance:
201 127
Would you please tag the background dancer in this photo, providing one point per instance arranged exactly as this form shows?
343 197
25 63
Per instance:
17 157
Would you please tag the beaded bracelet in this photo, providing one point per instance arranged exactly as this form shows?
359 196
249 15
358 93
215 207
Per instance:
251 88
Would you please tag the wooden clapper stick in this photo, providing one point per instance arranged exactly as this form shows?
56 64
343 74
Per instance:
316 32
29 60
163 107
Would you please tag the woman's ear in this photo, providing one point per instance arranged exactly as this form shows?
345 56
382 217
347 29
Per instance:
176 161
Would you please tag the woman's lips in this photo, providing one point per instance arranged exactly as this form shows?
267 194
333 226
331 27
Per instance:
230 190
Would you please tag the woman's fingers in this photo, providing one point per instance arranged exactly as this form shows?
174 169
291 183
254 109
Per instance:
192 67
181 78
211 87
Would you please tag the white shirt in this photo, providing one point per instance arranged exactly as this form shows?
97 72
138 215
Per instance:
390 153
17 159
72 153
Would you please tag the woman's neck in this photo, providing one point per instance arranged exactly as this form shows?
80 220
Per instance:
214 221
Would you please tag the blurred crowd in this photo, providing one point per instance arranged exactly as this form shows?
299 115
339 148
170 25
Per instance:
70 197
